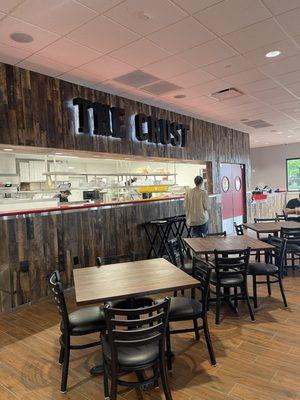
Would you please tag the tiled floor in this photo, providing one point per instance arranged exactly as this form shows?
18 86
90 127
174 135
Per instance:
254 360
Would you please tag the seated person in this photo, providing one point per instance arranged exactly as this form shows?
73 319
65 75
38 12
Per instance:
293 207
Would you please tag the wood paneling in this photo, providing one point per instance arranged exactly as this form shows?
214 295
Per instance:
32 247
268 208
36 110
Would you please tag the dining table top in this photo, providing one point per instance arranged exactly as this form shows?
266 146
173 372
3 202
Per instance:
130 279
208 245
271 227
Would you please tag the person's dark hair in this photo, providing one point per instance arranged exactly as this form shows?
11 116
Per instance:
198 180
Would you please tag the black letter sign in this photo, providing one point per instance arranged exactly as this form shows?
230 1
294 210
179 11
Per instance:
83 107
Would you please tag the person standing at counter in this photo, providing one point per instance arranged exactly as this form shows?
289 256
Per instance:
196 208
64 193
293 207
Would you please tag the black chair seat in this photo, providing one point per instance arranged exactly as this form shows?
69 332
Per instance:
86 320
127 304
227 279
264 239
132 357
292 247
188 268
184 307
262 269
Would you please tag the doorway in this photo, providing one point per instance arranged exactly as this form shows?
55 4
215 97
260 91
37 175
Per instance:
233 195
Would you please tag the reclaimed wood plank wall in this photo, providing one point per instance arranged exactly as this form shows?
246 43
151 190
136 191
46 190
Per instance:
36 110
34 246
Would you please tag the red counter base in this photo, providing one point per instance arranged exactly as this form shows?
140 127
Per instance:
66 207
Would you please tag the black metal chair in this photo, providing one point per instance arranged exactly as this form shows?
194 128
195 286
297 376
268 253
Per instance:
80 322
239 229
189 309
216 234
281 217
135 341
270 270
292 247
231 269
132 302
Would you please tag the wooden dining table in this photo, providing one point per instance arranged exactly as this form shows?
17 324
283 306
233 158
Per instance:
271 227
209 244
94 285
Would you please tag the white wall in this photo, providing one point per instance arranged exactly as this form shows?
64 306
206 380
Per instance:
269 164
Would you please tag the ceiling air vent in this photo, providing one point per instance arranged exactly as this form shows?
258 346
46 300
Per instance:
227 94
161 87
257 123
136 79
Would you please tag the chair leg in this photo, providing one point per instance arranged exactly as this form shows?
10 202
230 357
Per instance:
65 369
282 291
208 342
246 294
61 355
113 386
218 305
168 348
164 379
196 329
175 293
269 286
235 297
156 375
105 381
254 291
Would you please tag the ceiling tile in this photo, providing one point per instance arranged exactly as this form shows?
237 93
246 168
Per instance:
44 65
140 53
100 5
12 55
8 5
289 78
258 56
284 66
55 15
103 35
169 67
208 53
209 87
274 96
68 52
232 15
80 77
41 37
2 15
290 21
192 78
182 35
245 77
107 68
228 67
280 6
146 16
256 86
255 36
193 6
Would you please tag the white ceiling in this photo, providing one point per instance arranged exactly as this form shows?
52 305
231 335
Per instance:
202 46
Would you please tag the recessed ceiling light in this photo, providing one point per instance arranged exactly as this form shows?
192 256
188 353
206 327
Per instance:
145 16
7 149
21 37
179 96
273 53
278 133
71 167
290 135
58 154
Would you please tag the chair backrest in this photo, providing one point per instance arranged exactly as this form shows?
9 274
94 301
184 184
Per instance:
281 217
175 252
290 233
138 327
59 298
231 262
202 272
239 229
224 234
280 245
266 220
115 259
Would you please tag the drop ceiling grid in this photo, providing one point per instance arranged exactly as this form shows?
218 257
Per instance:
235 38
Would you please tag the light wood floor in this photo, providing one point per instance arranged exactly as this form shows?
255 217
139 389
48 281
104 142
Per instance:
258 360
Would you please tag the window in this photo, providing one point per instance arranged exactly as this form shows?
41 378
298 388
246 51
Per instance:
293 174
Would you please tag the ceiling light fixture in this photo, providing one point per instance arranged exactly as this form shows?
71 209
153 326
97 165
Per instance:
273 53
7 149
21 37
